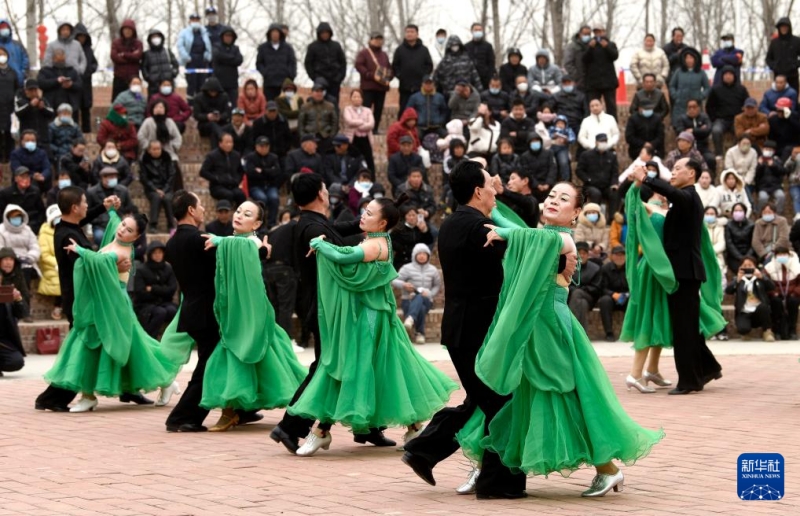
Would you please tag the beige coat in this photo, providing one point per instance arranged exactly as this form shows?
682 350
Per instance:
654 61
590 233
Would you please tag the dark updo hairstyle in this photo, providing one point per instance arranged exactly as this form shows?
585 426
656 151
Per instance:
579 200
140 219
390 210
262 211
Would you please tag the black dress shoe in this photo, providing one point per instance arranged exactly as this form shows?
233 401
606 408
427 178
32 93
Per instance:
715 376
280 436
249 417
54 408
186 427
677 391
501 496
375 437
420 467
137 398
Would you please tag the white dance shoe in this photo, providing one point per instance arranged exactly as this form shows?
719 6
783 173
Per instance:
468 487
84 405
633 383
603 483
314 443
409 435
167 393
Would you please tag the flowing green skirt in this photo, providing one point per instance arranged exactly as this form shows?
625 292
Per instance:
647 322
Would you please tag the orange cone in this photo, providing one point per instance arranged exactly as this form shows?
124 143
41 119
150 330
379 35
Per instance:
622 90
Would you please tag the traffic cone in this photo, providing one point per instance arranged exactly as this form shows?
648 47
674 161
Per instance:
622 90
706 65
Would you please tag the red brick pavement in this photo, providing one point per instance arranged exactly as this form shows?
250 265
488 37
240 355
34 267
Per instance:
120 461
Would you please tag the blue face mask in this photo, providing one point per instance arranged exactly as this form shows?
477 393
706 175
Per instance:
30 146
568 89
65 119
63 183
710 219
727 43
15 221
536 146
647 113
112 182
441 41
586 38
783 260
478 34
165 90
652 174
494 91
768 217
364 185
5 33
592 217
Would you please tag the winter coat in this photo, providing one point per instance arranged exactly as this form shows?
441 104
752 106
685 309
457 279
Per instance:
597 169
726 101
49 284
655 97
96 194
253 108
243 140
701 129
423 197
263 171
358 122
688 84
62 136
37 118
769 177
758 125
79 177
158 276
124 136
54 92
794 235
613 279
157 174
738 242
91 66
783 55
743 164
290 108
785 132
771 96
653 61
73 50
398 129
126 54
205 104
599 70
325 59
431 109
540 166
222 169
508 76
366 66
30 201
550 75
410 64
727 57
17 55
177 108
455 66
497 103
185 40
276 65
592 233
400 165
761 291
522 128
158 63
36 161
318 118
464 108
532 99
728 198
571 105
573 59
767 236
148 132
226 62
673 52
277 131
482 137
298 159
423 277
404 239
482 55
9 84
135 104
593 125
333 163
22 239
503 165
640 130
708 196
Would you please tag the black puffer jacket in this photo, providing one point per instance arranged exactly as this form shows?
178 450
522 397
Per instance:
597 169
275 66
572 105
738 242
482 54
158 276
783 56
540 166
456 65
411 64
205 104
726 101
158 62
598 67
157 174
263 171
325 58
222 169
277 131
226 61
91 65
9 84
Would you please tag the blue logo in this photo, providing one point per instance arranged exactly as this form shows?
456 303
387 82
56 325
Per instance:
760 476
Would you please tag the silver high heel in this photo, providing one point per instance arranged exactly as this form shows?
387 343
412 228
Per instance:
632 382
656 379
468 487
603 483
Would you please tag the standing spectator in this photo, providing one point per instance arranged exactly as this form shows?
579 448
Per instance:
306 157
110 157
325 60
212 110
482 54
769 178
276 62
226 61
650 60
783 55
76 166
456 65
496 100
685 149
601 76
689 82
372 64
411 62
83 37
402 161
599 171
118 129
440 45
243 141
431 108
32 157
154 289
318 117
107 187
157 173
405 126
673 50
732 192
615 292
275 127
214 28
72 49
752 289
512 69
419 282
784 128
223 224
158 62
738 237
725 102
592 228
412 231
126 54
63 132
420 195
252 102
780 89
644 126
792 166
785 300
264 177
649 93
49 285
573 55
517 127
771 232
544 75
571 103
24 195
9 84
194 52
584 296
742 159
752 123
164 130
708 193
17 55
598 122
60 83
134 102
222 168
727 55
539 165
358 122
177 108
289 104
464 102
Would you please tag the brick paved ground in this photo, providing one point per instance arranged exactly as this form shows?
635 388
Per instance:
120 461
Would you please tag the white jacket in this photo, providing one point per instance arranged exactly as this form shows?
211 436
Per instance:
654 61
717 234
21 239
775 271
593 125
743 164
482 139
728 197
663 172
709 196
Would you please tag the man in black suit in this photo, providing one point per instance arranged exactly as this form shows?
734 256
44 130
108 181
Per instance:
75 213
695 363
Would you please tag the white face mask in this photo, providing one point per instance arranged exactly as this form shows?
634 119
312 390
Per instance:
3 59
136 88
195 25
156 41
522 87
602 146
111 153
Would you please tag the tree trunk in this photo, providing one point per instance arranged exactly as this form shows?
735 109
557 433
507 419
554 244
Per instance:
484 15
401 12
497 29
611 7
664 22
111 20
30 33
647 16
545 24
557 15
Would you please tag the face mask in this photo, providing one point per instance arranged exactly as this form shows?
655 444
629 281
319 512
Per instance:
744 148
213 19
3 59
783 260
334 201
768 218
602 146
768 153
647 113
111 153
289 94
522 87
195 25
652 174
727 43
738 216
65 119
478 34
136 88
15 221
454 48
592 217
63 183
112 182
5 32
568 89
30 146
586 38
536 146
364 185
710 219
156 41
440 40
493 91
166 90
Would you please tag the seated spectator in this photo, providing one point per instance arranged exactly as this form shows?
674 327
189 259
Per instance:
599 170
708 193
615 292
177 108
511 69
222 168
647 159
732 192
716 230
738 237
464 102
771 232
401 162
61 83
17 234
698 124
275 127
752 289
545 119
689 82
306 157
63 132
752 123
159 127
544 75
358 127
76 165
405 126
725 102
531 98
457 153
598 122
419 282
769 178
154 289
784 129
419 194
11 275
158 62
562 137
455 131
134 102
430 107
31 156
780 90
110 157
686 149
505 161
34 112
109 185
644 126
23 194
242 133
785 298
650 60
792 167
338 210
571 103
49 284
223 224
252 102
728 55
318 118
618 230
62 181
157 174
118 129
212 110
743 159
584 296
517 127
413 230
517 194
496 100
484 131
361 188
341 166
264 177
592 229
651 93
289 104
539 165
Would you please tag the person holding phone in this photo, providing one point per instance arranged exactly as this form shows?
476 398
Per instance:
752 289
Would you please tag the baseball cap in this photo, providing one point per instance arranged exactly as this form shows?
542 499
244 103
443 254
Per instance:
262 140
224 205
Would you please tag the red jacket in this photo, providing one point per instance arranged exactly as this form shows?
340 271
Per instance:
177 108
366 68
124 137
127 54
398 129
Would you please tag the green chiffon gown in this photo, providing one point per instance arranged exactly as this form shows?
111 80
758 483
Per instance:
651 279
369 374
107 351
563 412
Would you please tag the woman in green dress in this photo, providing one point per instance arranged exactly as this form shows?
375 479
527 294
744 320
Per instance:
369 374
563 412
254 365
107 352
